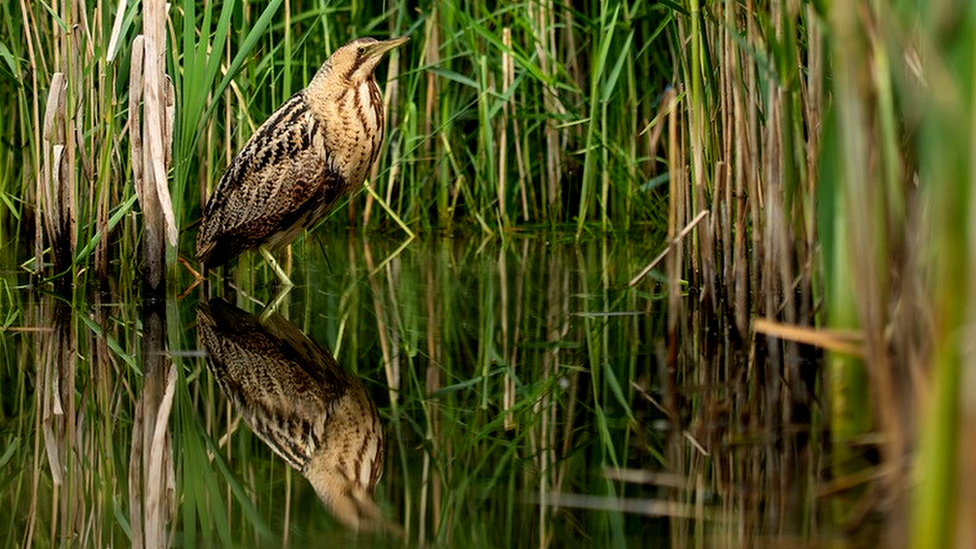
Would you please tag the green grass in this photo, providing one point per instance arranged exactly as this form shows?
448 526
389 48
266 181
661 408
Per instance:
570 126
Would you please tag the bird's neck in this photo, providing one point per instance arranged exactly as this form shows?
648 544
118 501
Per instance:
352 114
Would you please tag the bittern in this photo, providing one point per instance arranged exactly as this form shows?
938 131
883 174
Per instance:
298 400
312 151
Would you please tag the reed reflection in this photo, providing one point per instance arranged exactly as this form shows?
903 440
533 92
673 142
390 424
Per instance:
56 426
151 467
298 400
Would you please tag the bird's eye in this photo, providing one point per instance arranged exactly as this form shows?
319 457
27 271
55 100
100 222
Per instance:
361 50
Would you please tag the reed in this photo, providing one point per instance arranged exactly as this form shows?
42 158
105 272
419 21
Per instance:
833 212
801 168
501 127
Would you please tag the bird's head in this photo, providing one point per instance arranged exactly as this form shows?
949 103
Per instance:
356 61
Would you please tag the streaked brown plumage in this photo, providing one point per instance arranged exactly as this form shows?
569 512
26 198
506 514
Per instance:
298 400
312 151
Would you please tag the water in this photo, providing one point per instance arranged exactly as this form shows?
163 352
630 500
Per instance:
523 389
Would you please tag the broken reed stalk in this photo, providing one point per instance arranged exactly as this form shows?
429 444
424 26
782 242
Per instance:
151 152
55 199
681 235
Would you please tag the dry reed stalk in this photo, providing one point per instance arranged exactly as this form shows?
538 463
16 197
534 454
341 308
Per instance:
675 217
157 127
36 131
71 67
812 91
696 107
680 236
571 53
795 286
508 80
725 168
750 140
54 199
776 236
431 57
502 130
850 342
101 223
113 41
738 169
542 22
286 521
135 125
153 247
152 150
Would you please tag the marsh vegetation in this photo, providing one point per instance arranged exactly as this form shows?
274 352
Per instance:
624 271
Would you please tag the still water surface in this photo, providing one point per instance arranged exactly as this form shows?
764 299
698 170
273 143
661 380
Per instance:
520 394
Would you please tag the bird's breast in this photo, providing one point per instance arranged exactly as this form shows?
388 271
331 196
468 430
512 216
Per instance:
353 131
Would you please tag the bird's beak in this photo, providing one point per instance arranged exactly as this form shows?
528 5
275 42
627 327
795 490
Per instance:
377 49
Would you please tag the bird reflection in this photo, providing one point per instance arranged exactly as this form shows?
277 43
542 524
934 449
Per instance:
297 399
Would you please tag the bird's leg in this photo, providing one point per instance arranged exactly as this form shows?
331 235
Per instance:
197 278
274 266
275 302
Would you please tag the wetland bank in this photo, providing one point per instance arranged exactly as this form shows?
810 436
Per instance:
624 274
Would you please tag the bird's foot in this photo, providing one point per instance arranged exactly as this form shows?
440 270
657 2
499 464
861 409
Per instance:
197 278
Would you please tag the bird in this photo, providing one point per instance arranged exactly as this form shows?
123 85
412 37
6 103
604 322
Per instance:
312 151
296 398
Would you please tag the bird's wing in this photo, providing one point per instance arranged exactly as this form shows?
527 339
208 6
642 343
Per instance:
271 186
274 349
286 402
